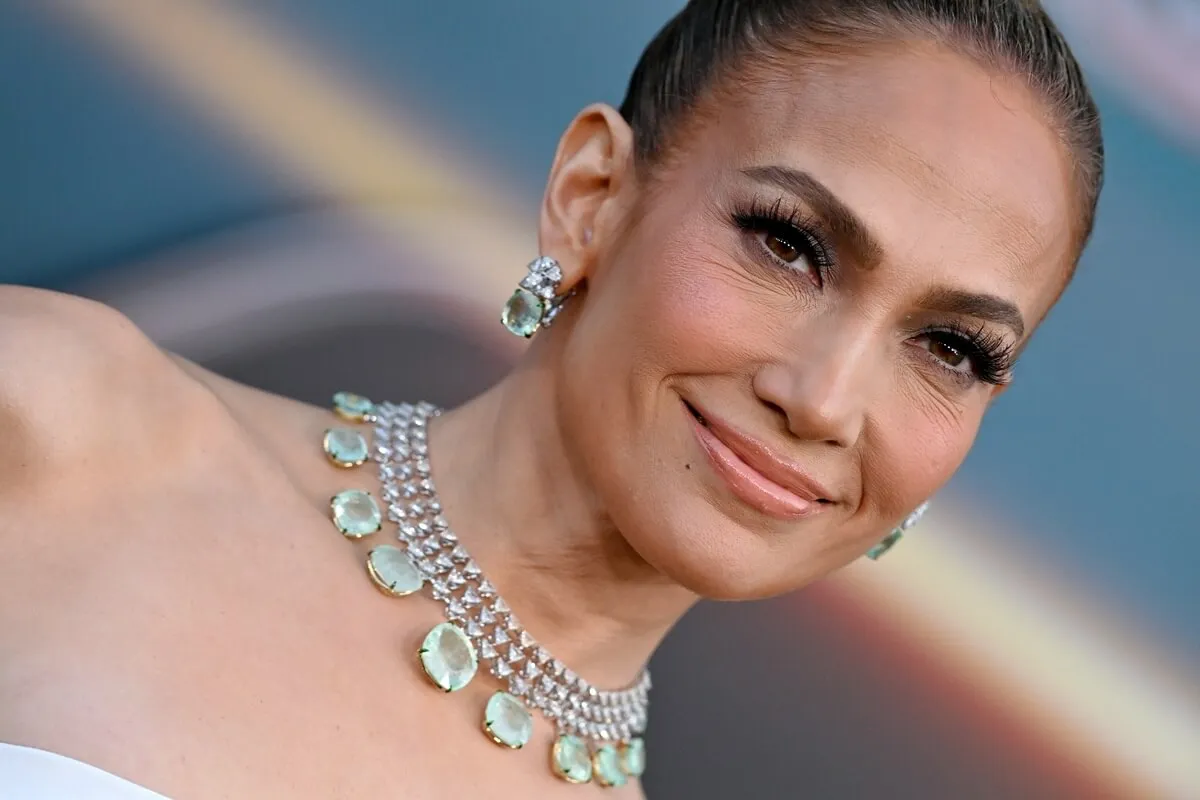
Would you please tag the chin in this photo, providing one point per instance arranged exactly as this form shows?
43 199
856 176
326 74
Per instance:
713 556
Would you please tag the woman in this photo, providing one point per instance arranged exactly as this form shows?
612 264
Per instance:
786 280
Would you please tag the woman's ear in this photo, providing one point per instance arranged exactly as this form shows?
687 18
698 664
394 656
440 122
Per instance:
593 162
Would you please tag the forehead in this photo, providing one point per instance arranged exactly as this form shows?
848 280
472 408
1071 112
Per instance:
952 167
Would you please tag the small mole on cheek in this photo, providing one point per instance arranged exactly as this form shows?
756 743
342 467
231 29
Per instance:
687 466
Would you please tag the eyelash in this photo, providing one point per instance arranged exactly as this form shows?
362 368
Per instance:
991 355
792 226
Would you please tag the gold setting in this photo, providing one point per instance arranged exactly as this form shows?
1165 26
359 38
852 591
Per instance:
598 773
623 753
350 533
382 583
487 729
353 407
557 767
425 671
327 446
425 649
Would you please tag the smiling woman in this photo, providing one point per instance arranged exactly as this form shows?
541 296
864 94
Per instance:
777 292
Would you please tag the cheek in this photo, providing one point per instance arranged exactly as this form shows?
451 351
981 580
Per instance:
913 453
697 309
930 456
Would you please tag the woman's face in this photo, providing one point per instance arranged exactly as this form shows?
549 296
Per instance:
788 341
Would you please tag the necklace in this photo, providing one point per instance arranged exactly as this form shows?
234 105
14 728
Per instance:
599 732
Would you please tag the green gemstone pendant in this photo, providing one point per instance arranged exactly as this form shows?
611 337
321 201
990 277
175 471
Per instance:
345 447
887 543
633 757
353 407
448 657
355 513
393 571
507 721
523 313
571 760
606 764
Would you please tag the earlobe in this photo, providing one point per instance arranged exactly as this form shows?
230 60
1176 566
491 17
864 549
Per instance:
590 167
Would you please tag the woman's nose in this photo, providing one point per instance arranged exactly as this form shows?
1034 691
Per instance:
822 386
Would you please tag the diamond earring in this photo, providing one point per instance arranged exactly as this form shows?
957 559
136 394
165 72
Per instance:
897 533
537 301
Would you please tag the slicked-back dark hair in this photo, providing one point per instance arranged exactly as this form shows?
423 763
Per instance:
711 41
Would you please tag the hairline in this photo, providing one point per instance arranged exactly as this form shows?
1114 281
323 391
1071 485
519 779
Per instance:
759 61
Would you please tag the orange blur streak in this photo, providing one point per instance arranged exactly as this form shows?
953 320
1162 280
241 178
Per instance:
271 95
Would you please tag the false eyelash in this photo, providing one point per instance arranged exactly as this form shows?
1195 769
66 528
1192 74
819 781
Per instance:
992 355
792 224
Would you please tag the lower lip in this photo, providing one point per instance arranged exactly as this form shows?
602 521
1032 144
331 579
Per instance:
750 485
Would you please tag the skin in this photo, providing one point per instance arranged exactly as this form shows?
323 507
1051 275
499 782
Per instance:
175 606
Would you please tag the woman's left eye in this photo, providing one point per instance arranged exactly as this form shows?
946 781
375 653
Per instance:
953 354
974 356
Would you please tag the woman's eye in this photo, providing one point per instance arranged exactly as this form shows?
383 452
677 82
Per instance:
953 356
785 244
976 357
781 247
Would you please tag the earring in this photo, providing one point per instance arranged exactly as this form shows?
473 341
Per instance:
897 533
536 302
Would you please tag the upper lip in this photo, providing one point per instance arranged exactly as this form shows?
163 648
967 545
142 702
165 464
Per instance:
762 458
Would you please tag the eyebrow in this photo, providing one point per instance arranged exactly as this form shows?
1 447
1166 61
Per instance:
841 219
980 306
848 226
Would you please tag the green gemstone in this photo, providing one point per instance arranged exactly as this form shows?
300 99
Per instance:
888 542
523 312
571 760
393 571
448 657
607 763
345 447
633 757
507 721
353 407
355 513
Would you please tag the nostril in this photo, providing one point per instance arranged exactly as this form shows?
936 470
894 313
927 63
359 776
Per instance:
778 409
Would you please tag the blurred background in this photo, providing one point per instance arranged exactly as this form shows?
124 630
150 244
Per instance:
295 192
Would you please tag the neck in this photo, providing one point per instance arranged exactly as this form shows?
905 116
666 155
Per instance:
513 495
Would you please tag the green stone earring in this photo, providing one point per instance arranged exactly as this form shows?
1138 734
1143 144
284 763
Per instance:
889 541
537 301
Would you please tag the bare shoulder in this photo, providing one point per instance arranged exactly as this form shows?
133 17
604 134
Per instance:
81 389
74 332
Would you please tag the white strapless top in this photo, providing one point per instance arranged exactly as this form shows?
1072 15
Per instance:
27 773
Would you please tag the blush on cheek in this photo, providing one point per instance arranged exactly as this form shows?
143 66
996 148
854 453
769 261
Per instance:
704 319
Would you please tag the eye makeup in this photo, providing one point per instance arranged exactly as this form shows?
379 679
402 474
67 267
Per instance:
788 237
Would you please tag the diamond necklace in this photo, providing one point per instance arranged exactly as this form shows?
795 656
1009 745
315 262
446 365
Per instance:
598 731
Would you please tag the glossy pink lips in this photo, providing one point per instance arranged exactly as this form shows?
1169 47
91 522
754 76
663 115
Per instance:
750 485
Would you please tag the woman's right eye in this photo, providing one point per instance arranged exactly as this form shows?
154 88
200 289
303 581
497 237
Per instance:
786 241
790 247
781 248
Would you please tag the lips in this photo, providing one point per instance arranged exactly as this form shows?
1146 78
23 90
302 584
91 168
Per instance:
758 476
